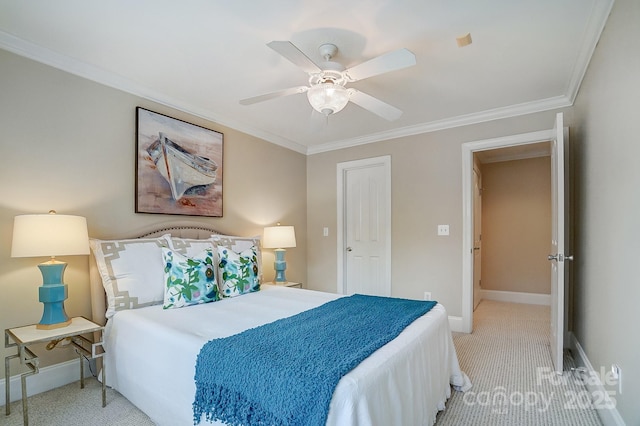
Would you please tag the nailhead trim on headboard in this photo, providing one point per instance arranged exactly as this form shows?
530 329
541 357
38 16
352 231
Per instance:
183 231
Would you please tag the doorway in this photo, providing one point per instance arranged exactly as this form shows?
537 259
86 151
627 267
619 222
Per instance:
560 227
517 142
512 224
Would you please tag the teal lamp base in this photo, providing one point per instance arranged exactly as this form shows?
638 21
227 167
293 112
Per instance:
280 266
52 294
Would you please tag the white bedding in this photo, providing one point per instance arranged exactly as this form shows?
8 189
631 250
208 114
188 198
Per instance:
151 355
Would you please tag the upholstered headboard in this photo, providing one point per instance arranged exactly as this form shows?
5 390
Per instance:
98 297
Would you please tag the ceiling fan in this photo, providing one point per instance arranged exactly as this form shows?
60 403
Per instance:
326 91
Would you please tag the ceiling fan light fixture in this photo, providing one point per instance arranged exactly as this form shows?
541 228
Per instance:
326 91
328 98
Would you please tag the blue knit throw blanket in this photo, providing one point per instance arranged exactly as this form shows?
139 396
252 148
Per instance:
285 372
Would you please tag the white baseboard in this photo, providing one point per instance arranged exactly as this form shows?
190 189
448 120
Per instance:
48 378
455 324
595 387
517 297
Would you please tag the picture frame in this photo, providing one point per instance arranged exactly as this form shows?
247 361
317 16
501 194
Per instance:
178 166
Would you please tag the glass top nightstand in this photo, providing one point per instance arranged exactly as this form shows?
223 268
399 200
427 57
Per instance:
23 337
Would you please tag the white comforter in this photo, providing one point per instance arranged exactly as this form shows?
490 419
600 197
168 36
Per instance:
151 355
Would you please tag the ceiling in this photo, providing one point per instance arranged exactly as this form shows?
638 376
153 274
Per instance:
204 56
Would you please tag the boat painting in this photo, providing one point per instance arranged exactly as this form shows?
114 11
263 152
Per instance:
179 166
183 170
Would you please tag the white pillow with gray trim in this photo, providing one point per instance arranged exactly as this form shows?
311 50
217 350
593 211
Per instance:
132 271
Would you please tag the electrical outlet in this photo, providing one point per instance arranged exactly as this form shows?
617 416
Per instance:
427 295
443 229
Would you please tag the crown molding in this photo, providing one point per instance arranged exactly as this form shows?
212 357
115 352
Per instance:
71 65
597 20
449 123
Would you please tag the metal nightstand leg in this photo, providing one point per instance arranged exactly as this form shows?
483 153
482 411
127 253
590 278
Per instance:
7 384
104 380
29 359
96 351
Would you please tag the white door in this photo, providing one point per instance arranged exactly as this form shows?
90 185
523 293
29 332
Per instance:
477 236
558 258
366 212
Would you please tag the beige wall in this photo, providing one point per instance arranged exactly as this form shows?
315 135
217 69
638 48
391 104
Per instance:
68 144
516 225
607 186
426 184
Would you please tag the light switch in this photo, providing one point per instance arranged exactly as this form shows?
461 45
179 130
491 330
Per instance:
443 229
325 231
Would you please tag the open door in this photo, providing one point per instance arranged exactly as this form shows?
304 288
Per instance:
559 227
477 234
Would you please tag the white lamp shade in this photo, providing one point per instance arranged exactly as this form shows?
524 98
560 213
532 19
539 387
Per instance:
279 237
49 235
328 98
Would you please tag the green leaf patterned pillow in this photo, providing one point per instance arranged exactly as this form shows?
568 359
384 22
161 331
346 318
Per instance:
238 272
189 280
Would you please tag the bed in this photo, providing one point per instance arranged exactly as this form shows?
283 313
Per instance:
151 352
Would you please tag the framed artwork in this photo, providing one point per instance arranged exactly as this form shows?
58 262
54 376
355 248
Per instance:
178 166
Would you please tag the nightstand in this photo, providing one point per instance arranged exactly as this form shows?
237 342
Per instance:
287 284
23 337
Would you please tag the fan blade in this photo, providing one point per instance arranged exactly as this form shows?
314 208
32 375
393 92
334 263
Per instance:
376 106
273 95
391 61
295 55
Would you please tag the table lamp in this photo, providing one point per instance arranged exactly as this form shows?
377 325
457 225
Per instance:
279 238
50 235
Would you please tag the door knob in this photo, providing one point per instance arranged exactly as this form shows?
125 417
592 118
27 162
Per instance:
349 249
559 257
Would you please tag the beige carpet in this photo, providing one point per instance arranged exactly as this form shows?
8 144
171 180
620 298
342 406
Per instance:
71 406
507 358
